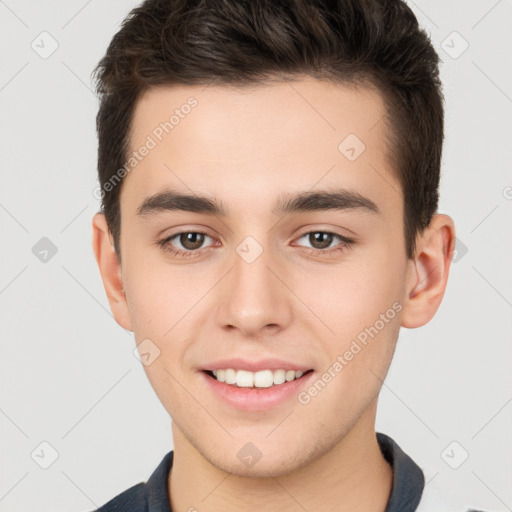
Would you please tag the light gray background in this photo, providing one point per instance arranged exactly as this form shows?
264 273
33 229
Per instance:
68 373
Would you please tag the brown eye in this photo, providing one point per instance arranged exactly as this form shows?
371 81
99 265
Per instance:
324 243
191 241
320 240
186 243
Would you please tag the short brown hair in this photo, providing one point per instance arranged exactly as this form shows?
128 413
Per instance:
377 43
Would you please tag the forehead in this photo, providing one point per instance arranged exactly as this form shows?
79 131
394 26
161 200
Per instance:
224 140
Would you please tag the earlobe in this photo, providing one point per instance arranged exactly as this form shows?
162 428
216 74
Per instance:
110 270
428 272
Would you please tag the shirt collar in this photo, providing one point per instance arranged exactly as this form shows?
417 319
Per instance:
408 480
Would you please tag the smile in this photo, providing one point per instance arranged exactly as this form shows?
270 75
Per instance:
259 379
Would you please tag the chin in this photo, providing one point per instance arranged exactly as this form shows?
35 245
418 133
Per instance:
249 461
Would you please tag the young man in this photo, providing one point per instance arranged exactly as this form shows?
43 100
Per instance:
269 175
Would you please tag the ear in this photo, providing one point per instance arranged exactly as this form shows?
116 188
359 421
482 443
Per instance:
428 271
110 270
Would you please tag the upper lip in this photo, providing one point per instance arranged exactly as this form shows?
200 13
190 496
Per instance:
254 366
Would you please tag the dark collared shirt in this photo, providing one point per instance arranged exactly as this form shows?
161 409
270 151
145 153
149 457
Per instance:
408 483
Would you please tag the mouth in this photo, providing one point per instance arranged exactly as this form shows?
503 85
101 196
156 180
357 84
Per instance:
257 380
255 386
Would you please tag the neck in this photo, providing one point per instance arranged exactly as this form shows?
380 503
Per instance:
352 476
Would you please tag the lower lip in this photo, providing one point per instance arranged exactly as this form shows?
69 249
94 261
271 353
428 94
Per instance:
256 399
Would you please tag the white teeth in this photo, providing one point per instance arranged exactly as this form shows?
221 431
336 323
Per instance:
279 377
230 376
261 379
244 379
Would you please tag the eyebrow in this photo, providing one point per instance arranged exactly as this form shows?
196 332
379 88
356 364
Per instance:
339 199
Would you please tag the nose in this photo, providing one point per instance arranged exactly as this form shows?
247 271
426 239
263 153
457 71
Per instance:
255 298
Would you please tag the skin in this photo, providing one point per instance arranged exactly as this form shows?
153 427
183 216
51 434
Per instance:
246 148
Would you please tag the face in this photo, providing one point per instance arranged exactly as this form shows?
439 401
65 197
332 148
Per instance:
251 280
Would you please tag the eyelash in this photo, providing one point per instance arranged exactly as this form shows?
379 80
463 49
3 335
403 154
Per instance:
343 245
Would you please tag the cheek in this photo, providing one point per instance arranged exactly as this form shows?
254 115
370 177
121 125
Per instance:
360 308
165 308
157 298
349 298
